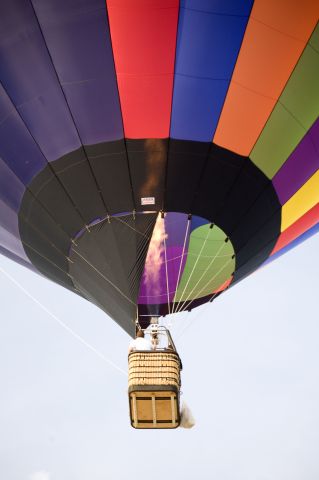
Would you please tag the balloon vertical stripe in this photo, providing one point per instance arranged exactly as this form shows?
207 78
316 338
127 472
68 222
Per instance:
30 80
295 112
302 201
84 65
302 238
143 38
304 223
209 39
274 40
154 153
299 167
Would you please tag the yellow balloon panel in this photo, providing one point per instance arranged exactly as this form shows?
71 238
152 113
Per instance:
303 200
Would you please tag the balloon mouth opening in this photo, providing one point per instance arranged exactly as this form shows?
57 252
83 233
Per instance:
188 259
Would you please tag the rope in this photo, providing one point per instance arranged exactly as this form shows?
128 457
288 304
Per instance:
191 320
63 325
182 258
202 248
68 259
203 274
105 278
166 270
210 280
192 254
118 219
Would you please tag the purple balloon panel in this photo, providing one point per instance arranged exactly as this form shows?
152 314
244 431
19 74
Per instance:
11 192
17 148
17 259
300 166
29 78
78 38
9 219
154 287
11 187
12 243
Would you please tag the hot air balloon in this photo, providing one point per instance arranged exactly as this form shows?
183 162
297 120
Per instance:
154 153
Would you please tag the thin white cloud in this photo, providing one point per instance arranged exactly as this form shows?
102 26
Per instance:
41 475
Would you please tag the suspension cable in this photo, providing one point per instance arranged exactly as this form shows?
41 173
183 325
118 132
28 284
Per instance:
203 274
182 259
200 313
166 270
193 269
210 280
191 320
104 277
119 219
64 325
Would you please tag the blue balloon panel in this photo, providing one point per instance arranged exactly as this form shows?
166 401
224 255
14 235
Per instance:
220 7
207 48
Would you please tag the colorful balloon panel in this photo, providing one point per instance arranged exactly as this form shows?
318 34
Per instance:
299 167
302 238
153 154
302 201
274 40
84 65
143 37
210 263
204 65
165 261
293 115
306 222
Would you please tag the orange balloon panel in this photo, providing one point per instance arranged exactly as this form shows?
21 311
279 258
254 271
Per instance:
224 285
274 40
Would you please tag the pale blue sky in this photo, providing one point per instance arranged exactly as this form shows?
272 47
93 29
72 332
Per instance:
251 363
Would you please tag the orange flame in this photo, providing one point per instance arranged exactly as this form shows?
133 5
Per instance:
154 258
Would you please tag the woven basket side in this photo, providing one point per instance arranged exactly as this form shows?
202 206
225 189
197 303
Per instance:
154 369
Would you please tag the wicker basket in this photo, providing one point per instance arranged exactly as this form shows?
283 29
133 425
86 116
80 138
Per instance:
154 368
154 383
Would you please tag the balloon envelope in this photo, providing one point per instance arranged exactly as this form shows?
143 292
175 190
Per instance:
111 113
